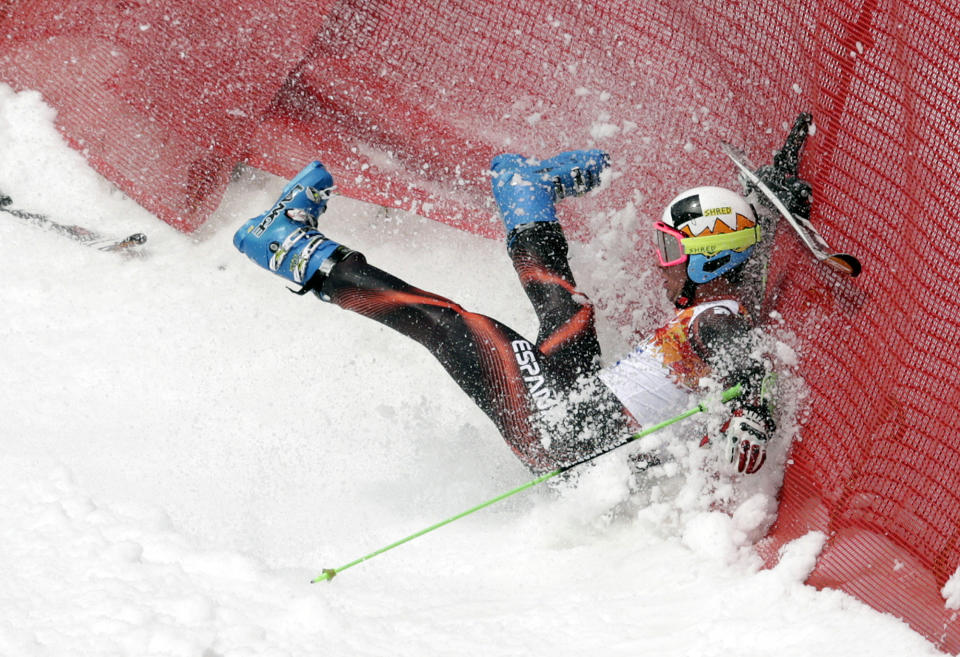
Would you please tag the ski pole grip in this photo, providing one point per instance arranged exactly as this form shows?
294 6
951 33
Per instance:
731 393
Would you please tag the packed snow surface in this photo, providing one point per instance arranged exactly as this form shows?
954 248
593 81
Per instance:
186 444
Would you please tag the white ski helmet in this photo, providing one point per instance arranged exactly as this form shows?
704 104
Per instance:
710 229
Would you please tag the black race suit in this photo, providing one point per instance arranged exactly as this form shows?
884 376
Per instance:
543 396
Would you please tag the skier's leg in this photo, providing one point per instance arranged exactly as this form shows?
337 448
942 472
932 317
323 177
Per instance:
567 334
491 362
505 375
526 191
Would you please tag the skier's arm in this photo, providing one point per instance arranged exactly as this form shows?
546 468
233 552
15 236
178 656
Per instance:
727 342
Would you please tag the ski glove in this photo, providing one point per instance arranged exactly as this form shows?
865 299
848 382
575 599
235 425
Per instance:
744 438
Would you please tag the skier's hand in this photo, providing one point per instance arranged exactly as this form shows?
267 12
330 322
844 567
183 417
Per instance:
743 438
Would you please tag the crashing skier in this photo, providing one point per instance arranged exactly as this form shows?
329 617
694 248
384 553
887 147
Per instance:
551 399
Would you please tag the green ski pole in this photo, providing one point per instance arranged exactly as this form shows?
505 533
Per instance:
329 573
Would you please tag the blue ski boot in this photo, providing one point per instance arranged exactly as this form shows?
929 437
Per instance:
526 190
285 239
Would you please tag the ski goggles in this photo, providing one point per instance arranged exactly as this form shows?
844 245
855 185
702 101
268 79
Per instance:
673 247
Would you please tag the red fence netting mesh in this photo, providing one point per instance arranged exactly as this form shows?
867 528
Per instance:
407 101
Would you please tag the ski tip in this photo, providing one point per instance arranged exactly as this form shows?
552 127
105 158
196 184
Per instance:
844 262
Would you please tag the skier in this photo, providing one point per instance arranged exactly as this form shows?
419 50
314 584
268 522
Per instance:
550 398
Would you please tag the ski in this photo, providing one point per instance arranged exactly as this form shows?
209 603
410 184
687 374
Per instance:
125 245
810 236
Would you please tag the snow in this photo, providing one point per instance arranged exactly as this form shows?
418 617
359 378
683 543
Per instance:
186 445
951 591
602 129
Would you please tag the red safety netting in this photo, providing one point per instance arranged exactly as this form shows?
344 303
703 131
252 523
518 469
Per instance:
407 101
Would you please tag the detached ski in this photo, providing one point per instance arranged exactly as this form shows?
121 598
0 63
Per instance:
810 236
126 245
